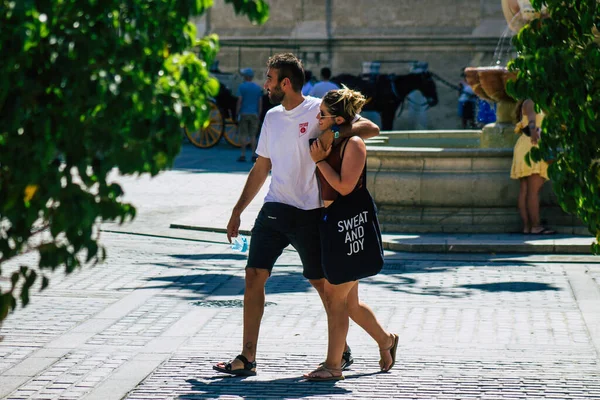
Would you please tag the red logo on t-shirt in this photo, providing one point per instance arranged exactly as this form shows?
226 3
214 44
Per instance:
303 128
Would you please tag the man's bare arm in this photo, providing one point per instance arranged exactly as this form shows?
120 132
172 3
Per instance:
256 179
362 127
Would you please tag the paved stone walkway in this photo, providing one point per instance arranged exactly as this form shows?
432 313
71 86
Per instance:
151 321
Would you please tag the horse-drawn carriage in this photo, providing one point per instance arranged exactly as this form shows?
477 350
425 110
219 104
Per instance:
385 93
222 118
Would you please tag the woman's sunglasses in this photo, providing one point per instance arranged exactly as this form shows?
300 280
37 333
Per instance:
322 115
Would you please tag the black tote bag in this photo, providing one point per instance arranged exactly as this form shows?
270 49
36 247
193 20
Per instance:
351 246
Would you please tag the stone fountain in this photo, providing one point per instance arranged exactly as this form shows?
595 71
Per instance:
466 189
489 83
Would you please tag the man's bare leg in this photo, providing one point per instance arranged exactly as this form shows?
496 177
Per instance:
254 307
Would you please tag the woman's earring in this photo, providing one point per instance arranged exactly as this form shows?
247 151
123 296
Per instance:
335 128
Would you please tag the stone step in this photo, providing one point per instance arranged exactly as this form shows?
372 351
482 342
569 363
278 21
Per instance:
458 228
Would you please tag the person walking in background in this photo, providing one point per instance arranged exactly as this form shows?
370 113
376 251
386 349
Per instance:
332 156
248 110
466 103
293 206
533 176
324 85
309 82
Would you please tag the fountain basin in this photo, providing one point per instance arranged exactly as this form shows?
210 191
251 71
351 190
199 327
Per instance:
422 190
424 138
489 83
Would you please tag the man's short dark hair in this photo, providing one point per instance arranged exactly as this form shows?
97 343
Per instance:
326 73
288 66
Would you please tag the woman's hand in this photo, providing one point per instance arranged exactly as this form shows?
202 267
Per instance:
317 152
535 135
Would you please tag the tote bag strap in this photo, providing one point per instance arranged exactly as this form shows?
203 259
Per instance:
364 173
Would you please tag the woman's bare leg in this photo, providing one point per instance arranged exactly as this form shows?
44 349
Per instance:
522 203
337 327
534 185
366 319
337 321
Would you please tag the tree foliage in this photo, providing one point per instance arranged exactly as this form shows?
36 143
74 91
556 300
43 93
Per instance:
86 87
559 69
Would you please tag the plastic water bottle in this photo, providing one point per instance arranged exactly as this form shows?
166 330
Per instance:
240 243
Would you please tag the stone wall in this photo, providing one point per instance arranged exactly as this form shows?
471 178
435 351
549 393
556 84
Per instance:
448 34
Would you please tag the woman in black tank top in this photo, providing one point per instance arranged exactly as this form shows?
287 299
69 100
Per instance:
340 163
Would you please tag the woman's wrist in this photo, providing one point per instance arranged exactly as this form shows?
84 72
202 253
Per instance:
316 162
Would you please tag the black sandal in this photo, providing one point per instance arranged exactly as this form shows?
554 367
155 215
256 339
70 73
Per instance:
347 359
248 370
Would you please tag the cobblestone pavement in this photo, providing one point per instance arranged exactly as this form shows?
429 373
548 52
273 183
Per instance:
151 321
166 306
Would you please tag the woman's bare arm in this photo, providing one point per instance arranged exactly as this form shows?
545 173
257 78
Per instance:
353 163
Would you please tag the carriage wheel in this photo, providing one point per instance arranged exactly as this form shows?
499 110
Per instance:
232 134
210 136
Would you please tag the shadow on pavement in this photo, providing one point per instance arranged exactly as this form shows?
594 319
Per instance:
289 388
215 256
397 280
511 287
228 285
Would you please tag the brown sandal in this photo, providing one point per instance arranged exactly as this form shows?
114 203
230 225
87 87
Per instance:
392 349
330 371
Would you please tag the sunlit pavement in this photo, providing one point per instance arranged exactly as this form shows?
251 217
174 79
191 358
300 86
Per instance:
166 305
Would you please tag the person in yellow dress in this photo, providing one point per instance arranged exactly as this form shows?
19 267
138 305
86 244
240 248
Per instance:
531 177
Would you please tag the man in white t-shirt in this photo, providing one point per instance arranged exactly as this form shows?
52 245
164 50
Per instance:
292 208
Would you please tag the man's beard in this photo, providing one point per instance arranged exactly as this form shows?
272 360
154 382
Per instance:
276 95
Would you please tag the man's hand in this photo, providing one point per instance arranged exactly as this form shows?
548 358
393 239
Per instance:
233 226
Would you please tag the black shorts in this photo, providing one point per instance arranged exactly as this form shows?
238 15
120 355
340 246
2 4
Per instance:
279 225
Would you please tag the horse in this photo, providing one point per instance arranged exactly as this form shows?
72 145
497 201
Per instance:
385 93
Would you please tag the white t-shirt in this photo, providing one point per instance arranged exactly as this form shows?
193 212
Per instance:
284 140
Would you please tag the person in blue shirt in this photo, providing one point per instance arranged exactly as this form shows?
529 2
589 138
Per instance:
248 110
309 82
466 103
325 85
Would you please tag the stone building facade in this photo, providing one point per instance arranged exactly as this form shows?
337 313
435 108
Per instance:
447 34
